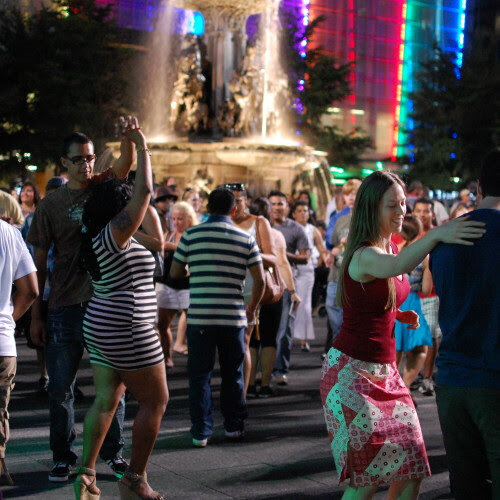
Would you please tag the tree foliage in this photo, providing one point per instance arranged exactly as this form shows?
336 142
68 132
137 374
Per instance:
326 83
454 113
61 71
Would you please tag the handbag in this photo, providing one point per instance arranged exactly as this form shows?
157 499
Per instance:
274 286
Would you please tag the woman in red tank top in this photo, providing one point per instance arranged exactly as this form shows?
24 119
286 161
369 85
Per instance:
371 420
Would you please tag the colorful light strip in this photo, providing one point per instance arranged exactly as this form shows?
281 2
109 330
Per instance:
302 48
409 38
461 33
399 86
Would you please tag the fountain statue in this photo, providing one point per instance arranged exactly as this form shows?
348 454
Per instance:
216 109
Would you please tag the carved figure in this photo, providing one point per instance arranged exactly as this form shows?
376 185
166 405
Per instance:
187 111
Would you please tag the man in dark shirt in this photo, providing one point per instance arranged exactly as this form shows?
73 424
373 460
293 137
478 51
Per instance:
468 378
297 252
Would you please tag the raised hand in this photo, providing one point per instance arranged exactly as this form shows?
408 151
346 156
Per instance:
131 130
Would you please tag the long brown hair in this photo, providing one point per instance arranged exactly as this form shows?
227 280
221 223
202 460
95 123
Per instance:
365 227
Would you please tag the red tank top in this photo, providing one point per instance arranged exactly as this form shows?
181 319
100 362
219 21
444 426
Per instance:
367 331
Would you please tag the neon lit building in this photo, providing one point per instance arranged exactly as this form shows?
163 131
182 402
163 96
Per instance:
387 39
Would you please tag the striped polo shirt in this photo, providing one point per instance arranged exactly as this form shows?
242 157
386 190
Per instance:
218 255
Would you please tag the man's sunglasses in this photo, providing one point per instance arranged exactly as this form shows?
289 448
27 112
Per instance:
235 186
80 160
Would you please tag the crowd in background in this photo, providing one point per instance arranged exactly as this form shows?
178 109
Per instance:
287 234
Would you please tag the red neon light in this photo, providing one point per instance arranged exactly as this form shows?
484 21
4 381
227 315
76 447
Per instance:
399 72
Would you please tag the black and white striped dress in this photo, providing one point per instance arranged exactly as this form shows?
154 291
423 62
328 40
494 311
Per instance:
118 324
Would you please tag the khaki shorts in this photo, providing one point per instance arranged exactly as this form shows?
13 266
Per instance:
8 365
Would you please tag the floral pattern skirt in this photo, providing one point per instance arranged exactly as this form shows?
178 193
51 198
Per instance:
373 427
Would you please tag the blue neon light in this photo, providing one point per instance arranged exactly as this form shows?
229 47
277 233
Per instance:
196 24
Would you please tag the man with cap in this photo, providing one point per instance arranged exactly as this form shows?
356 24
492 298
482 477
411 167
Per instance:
164 199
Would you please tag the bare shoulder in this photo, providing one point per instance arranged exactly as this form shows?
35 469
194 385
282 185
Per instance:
278 238
363 260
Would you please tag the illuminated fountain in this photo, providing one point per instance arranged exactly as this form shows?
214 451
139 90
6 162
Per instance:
216 110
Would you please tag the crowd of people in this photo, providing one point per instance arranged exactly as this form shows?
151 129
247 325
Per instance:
119 263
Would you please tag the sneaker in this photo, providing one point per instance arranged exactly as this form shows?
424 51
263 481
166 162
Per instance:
281 379
200 443
118 465
234 435
252 392
43 386
266 392
427 387
306 347
60 472
416 383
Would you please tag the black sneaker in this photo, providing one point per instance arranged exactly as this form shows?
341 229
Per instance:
118 465
252 392
60 472
43 386
265 392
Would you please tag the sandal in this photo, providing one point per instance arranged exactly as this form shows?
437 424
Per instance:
129 492
5 477
182 351
82 491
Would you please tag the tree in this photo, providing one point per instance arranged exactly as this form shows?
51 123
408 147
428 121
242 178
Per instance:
62 70
454 111
326 82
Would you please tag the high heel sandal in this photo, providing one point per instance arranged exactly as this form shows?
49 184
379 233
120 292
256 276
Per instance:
130 492
81 489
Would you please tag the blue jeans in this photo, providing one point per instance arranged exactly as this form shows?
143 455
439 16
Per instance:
64 351
335 313
284 337
230 344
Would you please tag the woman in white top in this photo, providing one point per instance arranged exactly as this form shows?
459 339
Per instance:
263 346
303 326
260 229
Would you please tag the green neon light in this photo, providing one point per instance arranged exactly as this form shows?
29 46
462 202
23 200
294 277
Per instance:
337 170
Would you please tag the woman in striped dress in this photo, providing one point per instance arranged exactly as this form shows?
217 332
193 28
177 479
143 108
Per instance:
118 327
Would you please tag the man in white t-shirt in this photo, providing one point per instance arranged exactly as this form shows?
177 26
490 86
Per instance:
16 266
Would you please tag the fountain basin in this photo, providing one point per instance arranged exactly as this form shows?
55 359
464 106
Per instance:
262 166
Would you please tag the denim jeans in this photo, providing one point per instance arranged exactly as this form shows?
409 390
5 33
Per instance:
469 422
202 344
284 337
64 351
335 313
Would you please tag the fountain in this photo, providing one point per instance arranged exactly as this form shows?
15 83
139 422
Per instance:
225 120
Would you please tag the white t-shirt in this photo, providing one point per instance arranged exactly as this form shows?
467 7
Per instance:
15 262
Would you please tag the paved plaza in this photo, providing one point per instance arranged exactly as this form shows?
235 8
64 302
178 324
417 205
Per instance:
285 453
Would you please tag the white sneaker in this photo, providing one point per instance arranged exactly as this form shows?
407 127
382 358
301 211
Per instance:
281 379
427 387
200 443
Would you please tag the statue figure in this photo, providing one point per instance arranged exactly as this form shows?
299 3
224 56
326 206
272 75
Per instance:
187 111
241 114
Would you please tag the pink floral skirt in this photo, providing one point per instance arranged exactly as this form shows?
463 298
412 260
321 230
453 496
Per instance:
373 427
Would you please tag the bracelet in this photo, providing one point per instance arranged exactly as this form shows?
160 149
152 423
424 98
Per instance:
291 292
145 149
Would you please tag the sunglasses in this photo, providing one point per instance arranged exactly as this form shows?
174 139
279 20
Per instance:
80 160
235 186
